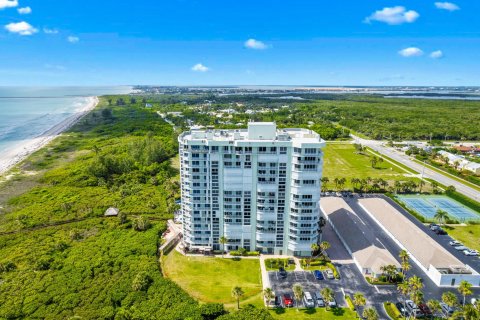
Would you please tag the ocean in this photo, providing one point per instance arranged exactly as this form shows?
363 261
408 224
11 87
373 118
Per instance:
27 112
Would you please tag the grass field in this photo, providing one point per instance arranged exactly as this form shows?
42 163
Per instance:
211 279
316 313
468 235
341 161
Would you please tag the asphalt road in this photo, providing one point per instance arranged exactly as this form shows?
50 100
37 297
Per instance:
427 173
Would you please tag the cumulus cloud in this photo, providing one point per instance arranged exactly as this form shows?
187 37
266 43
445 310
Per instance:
22 28
8 4
200 68
436 54
447 6
410 52
25 10
255 44
393 15
73 39
50 31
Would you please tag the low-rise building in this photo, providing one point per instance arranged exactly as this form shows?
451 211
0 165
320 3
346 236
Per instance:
441 266
369 257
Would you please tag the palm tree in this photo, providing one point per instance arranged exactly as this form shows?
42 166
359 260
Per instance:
415 283
341 182
358 301
434 186
370 314
327 295
441 216
465 289
468 312
398 185
315 247
237 293
325 181
223 240
336 181
421 183
373 161
417 298
324 245
268 295
434 306
297 292
449 298
404 258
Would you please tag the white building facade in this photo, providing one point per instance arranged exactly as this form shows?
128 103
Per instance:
258 187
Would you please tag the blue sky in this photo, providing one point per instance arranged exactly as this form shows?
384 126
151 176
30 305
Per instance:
187 42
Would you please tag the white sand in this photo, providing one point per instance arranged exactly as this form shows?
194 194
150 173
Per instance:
26 147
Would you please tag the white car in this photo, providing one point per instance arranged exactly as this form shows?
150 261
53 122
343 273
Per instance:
329 274
470 252
461 248
455 243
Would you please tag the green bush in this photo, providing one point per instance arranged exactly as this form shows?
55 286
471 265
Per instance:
244 253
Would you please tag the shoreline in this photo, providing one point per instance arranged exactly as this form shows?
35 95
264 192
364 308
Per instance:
25 148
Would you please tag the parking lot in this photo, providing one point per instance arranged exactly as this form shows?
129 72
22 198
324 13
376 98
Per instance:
308 282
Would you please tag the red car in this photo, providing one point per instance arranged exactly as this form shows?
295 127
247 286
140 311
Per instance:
287 300
425 310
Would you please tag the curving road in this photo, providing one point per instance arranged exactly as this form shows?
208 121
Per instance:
427 173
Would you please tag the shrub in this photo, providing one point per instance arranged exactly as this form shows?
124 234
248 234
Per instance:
7 266
141 282
141 223
211 311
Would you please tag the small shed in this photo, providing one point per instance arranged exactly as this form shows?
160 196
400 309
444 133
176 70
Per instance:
111 212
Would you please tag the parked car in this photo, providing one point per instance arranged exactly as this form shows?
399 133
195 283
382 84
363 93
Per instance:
470 252
413 309
455 243
433 226
318 275
287 300
440 231
446 309
333 303
272 302
308 300
277 302
329 274
401 309
461 248
319 300
282 272
425 310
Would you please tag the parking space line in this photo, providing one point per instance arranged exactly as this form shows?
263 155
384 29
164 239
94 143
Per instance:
376 288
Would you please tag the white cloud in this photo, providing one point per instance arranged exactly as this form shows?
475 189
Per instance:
73 39
50 31
22 28
255 44
436 54
200 68
411 52
8 4
393 15
447 6
25 10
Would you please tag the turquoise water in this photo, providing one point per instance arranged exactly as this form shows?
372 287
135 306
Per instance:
27 112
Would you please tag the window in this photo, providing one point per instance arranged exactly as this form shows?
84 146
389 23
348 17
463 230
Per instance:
283 150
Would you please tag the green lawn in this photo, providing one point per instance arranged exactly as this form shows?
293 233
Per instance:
314 313
211 279
341 161
468 235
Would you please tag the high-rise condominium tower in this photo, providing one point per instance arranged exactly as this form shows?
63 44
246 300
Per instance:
258 187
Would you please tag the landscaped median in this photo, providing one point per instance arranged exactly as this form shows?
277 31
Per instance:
273 264
313 313
319 264
392 311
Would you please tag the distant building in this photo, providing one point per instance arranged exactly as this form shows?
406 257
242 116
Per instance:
259 187
460 162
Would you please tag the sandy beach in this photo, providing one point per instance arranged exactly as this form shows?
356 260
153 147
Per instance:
26 147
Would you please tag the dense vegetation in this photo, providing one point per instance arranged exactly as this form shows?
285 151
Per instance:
60 258
374 116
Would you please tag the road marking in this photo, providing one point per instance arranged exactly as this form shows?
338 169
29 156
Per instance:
376 288
381 243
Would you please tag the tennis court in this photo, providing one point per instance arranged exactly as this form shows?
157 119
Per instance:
427 206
